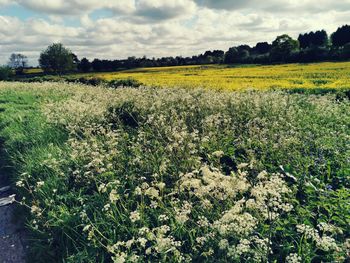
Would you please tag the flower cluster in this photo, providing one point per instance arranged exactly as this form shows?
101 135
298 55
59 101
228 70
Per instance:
324 242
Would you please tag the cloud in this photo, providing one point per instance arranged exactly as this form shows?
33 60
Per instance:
160 27
137 11
275 6
74 7
224 4
31 36
4 2
162 10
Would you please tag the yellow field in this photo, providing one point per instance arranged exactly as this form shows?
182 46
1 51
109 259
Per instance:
316 75
33 70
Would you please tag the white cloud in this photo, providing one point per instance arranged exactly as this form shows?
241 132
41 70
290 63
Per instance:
139 10
4 2
73 7
161 27
161 10
275 6
225 4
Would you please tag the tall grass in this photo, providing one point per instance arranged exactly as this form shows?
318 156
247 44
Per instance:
165 175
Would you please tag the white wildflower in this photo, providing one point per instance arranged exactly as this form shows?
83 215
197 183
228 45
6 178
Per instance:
242 165
20 183
293 258
223 244
218 154
40 183
152 193
163 218
113 196
102 188
135 216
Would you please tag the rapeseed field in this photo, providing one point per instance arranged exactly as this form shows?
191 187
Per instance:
327 75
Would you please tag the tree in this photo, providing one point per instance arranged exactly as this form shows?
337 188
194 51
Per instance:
341 36
131 62
313 39
283 47
243 47
313 54
231 56
18 62
304 41
243 55
346 51
262 47
84 65
216 56
240 54
320 38
56 58
76 61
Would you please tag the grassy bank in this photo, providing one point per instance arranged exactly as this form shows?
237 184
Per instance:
141 175
22 126
24 133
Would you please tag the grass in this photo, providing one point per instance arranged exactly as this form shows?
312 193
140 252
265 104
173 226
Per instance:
328 75
169 175
25 136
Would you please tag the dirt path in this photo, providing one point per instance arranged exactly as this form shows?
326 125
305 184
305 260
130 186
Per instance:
12 235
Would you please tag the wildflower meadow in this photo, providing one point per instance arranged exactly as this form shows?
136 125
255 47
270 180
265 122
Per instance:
179 175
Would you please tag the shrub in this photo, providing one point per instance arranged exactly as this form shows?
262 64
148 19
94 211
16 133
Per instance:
89 81
129 82
5 73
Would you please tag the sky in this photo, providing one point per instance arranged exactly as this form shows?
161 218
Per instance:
117 29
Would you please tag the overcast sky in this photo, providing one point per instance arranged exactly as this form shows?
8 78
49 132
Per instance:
120 28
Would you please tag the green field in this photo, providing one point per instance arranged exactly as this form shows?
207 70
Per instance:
178 175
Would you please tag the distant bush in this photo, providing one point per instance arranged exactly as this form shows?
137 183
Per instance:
129 82
5 73
87 81
341 94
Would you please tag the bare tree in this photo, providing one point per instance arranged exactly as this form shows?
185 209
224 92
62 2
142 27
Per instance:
18 62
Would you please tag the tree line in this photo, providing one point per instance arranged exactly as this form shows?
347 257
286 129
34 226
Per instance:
309 47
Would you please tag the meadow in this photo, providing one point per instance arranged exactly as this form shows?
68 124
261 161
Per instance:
179 175
327 75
